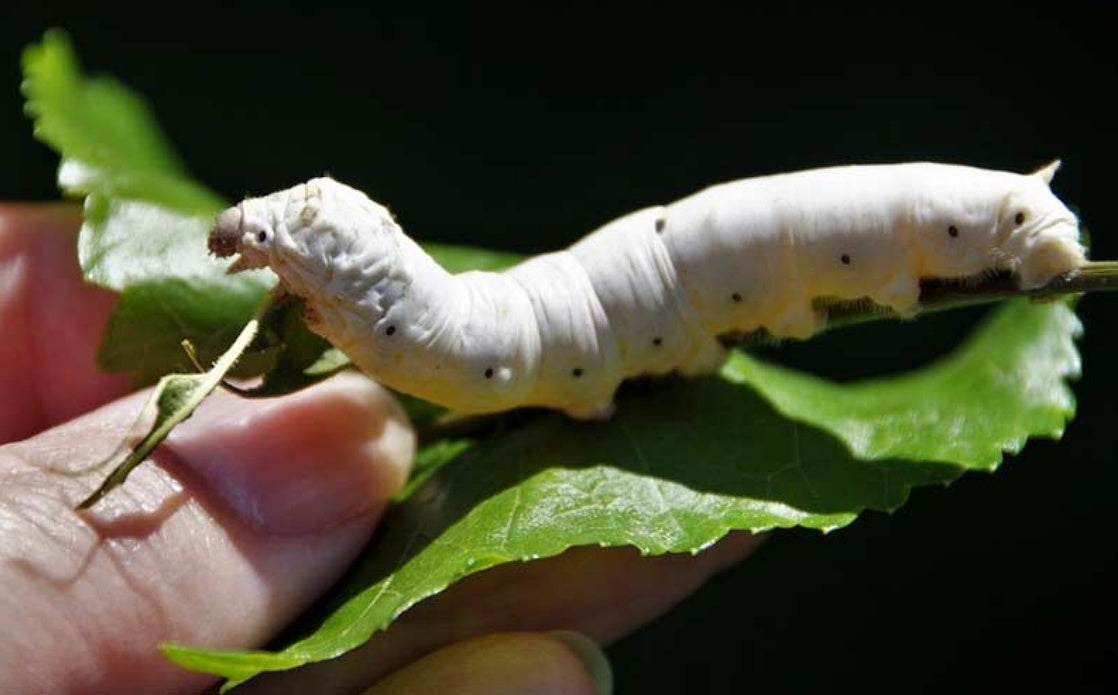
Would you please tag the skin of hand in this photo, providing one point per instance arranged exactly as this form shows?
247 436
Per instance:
241 519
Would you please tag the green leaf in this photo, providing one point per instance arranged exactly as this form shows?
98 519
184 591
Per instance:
144 334
685 461
146 220
1006 384
111 143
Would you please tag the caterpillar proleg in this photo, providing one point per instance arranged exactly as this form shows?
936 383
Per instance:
650 292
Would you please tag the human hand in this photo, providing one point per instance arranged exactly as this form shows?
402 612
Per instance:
245 515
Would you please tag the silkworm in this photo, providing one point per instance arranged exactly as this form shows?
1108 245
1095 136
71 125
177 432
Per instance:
650 292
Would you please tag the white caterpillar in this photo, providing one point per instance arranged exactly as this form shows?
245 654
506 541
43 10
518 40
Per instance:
650 292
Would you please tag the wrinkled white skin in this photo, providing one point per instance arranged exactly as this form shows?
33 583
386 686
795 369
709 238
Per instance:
648 293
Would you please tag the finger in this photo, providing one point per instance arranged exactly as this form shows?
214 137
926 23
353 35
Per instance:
505 664
51 322
249 511
600 592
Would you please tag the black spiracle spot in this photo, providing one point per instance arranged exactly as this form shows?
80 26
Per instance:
845 258
1019 219
261 236
390 330
660 223
488 372
736 296
657 341
953 231
576 372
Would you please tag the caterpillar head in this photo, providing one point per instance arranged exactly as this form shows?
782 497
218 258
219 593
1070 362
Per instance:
1038 234
311 235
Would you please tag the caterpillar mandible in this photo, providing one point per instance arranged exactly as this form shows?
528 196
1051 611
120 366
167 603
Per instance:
650 292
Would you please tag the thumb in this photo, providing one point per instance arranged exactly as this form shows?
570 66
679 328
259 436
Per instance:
239 521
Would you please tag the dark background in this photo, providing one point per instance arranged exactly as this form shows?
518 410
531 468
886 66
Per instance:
523 129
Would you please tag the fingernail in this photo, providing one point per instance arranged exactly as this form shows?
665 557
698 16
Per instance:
591 656
305 462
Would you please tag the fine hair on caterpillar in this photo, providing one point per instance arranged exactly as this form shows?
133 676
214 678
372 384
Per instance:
648 293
